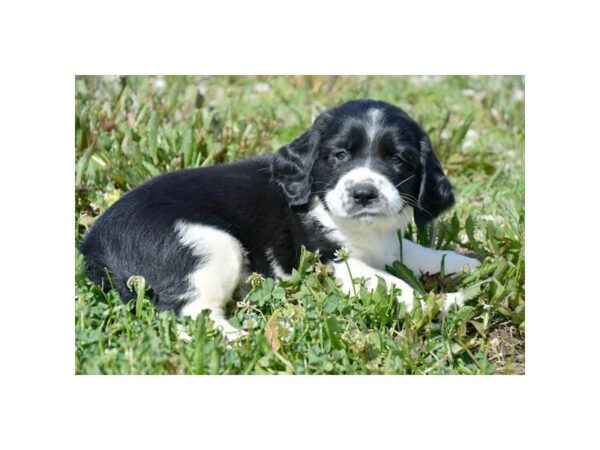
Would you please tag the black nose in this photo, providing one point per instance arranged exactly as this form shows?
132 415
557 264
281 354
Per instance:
364 194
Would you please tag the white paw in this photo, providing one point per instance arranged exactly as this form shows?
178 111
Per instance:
452 299
230 333
182 334
234 335
454 263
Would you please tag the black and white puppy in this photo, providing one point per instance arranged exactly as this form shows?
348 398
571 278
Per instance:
359 174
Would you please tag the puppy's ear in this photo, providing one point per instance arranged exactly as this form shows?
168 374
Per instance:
435 191
292 165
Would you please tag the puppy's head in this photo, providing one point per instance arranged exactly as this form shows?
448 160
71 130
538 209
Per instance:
367 161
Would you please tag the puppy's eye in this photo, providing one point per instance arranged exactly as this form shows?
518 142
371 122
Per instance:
395 159
342 155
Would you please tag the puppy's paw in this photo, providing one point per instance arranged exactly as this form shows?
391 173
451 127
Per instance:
455 262
452 299
230 333
234 335
182 334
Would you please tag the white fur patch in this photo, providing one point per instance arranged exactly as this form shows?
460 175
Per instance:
374 243
421 259
218 274
340 202
372 238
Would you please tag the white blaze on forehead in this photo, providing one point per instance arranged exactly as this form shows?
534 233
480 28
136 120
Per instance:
373 123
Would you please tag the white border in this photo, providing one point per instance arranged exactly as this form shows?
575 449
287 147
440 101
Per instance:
46 43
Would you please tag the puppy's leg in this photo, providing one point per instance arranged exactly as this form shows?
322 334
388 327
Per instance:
217 275
359 269
428 260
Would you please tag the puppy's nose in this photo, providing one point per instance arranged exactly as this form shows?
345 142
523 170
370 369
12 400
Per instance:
364 194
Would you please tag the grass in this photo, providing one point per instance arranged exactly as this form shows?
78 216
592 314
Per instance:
129 129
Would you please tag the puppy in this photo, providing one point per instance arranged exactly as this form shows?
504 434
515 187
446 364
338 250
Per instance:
361 172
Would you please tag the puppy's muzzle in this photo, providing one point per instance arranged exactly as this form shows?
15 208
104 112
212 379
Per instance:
364 194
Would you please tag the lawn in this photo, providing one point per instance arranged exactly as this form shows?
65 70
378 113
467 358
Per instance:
129 129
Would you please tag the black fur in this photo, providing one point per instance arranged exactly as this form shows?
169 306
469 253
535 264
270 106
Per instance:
261 201
136 235
435 191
